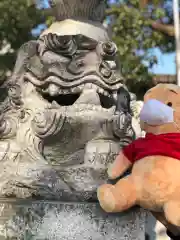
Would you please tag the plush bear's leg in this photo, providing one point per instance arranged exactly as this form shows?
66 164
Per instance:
118 197
172 212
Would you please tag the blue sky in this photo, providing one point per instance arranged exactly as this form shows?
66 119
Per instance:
166 63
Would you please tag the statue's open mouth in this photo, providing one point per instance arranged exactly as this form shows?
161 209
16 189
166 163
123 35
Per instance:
88 94
62 100
68 99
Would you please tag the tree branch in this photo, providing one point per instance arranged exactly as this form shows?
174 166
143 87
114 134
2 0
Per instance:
165 28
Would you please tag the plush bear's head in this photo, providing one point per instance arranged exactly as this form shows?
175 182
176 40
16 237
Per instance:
168 94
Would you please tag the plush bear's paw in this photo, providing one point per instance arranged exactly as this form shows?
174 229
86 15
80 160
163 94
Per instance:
118 197
106 197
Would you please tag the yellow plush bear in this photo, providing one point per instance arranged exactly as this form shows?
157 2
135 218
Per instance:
154 182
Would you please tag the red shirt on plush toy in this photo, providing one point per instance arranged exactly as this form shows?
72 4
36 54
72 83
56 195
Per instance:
154 182
152 145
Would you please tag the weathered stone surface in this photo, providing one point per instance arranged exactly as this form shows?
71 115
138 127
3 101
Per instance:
70 221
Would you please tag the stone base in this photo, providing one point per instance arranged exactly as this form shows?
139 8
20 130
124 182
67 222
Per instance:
41 220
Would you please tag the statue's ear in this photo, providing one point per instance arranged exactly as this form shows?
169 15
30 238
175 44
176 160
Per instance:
25 52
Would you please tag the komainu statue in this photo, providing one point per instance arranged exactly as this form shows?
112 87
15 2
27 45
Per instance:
66 116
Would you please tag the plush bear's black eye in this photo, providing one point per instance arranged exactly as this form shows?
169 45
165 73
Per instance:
169 104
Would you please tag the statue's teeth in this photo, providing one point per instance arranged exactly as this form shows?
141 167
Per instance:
88 86
45 90
115 96
100 90
94 86
53 90
54 104
76 90
105 93
65 91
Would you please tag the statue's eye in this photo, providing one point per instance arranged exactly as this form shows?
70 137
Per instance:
169 104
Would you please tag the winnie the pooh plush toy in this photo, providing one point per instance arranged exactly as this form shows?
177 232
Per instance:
154 182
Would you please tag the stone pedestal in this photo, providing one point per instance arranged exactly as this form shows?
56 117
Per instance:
40 220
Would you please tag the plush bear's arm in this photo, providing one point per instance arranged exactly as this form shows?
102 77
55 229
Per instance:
137 150
124 160
120 165
129 151
122 195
